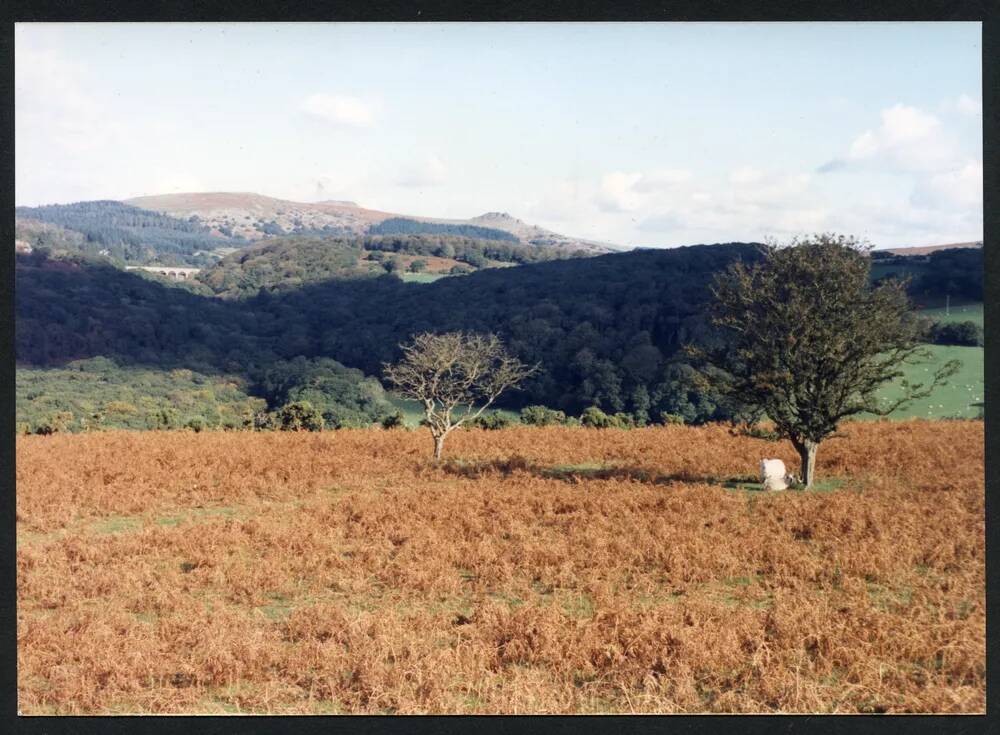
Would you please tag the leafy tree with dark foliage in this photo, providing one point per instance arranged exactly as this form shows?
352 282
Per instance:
966 334
343 396
810 339
299 416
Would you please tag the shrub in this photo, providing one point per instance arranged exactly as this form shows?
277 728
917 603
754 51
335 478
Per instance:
393 421
196 424
165 418
595 418
120 407
966 334
671 418
299 416
623 420
492 422
53 424
475 259
418 266
261 421
541 416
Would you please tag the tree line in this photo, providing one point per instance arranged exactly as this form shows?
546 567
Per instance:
403 226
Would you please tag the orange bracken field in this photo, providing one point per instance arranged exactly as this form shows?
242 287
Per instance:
538 570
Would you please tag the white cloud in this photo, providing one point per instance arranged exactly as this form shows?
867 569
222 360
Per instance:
745 175
617 193
621 191
560 202
662 179
908 140
429 171
969 106
52 106
754 202
956 189
936 185
339 110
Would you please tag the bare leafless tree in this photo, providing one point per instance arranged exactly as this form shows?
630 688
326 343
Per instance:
456 376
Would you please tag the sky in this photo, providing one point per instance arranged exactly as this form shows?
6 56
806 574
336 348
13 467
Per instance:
639 134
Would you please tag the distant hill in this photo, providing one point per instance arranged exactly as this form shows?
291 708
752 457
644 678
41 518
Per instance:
928 249
254 216
122 231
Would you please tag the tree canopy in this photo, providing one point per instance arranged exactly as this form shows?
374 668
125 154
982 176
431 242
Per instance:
808 339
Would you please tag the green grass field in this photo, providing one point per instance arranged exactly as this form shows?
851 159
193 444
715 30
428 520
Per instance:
422 277
971 312
965 388
957 397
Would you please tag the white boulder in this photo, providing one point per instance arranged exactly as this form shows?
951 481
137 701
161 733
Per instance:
772 474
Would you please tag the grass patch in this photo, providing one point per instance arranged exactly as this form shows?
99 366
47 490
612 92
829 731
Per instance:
739 592
177 518
584 470
578 605
117 524
278 609
421 277
887 599
823 485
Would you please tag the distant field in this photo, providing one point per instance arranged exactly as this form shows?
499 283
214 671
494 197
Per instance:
971 312
422 277
966 388
546 570
957 397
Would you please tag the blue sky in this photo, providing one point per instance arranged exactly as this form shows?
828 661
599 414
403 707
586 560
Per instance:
640 133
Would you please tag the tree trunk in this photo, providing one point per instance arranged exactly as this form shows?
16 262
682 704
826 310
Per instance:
438 446
807 454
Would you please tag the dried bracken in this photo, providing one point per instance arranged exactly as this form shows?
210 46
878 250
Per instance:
547 570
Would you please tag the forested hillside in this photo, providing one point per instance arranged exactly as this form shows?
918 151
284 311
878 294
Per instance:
130 234
955 272
284 263
607 330
603 328
402 226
